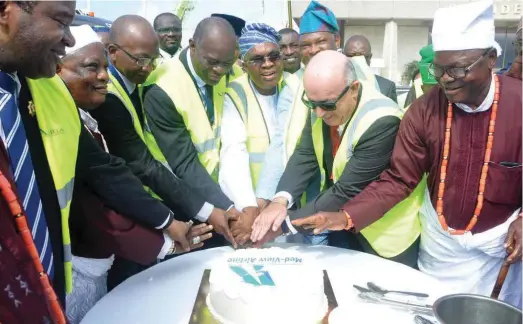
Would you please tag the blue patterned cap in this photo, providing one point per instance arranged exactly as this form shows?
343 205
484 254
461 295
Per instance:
257 33
318 18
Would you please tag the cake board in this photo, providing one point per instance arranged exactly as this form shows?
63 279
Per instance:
202 315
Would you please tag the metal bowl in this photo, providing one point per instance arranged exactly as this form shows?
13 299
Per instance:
475 309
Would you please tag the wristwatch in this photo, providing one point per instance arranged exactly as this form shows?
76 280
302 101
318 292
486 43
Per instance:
285 229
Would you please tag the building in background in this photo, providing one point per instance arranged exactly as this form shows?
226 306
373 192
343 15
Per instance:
397 29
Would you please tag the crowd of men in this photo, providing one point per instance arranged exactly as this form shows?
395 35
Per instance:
121 149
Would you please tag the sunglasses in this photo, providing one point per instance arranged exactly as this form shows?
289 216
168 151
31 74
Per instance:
455 72
328 105
259 60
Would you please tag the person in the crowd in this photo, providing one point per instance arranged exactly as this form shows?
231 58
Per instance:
249 121
58 151
237 24
168 27
318 32
515 69
349 137
359 45
290 50
416 91
132 54
183 103
465 134
103 34
93 242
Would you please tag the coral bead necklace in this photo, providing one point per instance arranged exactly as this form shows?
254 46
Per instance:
484 170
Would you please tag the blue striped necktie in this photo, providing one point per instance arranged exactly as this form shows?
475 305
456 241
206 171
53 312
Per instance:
22 169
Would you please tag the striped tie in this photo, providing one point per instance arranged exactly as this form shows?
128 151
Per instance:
22 169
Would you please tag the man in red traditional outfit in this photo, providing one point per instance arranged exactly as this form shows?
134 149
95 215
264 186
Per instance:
466 135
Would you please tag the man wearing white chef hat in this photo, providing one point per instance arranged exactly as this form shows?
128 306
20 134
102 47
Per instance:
465 134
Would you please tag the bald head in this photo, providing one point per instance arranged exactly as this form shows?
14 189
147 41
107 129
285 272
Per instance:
132 28
358 45
214 30
327 74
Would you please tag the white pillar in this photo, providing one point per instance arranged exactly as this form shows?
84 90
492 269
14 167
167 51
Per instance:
390 51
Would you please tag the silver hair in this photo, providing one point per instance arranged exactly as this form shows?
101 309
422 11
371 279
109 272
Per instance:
351 72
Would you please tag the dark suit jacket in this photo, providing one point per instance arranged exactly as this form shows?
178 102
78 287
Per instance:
104 174
371 157
174 140
98 231
116 125
387 88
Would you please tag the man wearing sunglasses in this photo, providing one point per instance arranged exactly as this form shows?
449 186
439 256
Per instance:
249 121
132 52
465 134
318 32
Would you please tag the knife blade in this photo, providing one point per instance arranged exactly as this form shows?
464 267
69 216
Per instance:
362 289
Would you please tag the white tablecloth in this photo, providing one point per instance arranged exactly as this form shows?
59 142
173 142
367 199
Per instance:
166 292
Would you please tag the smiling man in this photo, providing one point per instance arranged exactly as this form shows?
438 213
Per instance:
249 121
465 134
290 50
168 27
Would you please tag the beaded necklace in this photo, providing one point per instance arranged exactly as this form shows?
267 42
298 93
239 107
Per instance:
484 170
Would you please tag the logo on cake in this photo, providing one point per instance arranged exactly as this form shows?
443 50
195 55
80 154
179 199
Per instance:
252 272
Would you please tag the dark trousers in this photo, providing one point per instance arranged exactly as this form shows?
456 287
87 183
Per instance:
348 240
123 269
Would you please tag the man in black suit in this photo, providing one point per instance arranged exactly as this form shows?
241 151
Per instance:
40 30
359 45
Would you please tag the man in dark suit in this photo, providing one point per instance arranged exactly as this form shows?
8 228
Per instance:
359 45
40 31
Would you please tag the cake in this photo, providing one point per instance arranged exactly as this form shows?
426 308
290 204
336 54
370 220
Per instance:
260 286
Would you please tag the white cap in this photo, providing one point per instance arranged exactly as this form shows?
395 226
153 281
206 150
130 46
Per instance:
498 48
84 35
463 27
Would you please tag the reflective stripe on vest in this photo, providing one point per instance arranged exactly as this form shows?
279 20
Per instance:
174 80
61 138
400 227
242 95
116 89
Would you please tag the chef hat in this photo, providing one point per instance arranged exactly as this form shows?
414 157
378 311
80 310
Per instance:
84 35
463 27
318 18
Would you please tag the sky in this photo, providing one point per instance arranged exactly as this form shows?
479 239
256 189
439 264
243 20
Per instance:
272 12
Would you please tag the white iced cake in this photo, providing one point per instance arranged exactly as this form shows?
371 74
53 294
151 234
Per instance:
260 286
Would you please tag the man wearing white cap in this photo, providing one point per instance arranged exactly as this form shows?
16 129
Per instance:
465 134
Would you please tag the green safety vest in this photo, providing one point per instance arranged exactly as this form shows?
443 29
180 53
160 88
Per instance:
61 136
173 78
114 87
242 95
400 227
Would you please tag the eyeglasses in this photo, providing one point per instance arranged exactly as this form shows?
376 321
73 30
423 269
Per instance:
328 105
259 60
140 61
169 30
455 72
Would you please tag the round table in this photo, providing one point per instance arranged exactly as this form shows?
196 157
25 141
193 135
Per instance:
166 292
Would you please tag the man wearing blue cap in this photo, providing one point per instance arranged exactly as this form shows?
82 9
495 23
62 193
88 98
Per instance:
318 32
249 121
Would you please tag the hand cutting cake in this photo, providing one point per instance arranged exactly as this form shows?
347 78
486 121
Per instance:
260 286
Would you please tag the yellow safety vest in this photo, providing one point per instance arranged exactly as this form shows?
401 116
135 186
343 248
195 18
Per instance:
173 78
242 95
297 117
400 227
115 88
60 127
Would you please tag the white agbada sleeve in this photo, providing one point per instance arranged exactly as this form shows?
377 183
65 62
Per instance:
235 174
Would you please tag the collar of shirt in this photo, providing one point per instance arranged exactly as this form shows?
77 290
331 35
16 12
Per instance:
485 105
129 86
89 121
164 54
199 81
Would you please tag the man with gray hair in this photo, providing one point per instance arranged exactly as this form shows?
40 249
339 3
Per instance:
349 136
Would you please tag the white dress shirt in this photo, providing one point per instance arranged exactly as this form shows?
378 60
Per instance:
235 175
